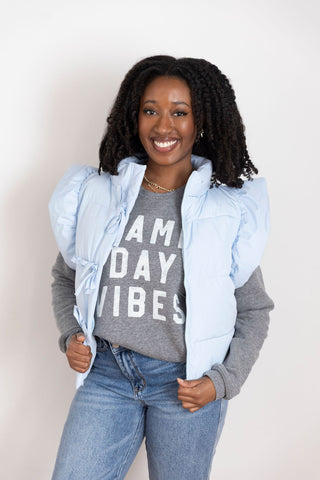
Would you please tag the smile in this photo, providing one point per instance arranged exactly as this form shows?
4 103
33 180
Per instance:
164 146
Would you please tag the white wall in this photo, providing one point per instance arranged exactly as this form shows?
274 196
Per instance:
62 64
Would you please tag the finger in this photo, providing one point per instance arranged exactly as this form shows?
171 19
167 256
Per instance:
187 392
180 381
79 365
79 369
80 337
79 348
189 383
78 357
193 409
188 405
186 398
77 338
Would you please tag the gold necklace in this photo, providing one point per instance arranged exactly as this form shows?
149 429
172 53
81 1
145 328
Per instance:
152 184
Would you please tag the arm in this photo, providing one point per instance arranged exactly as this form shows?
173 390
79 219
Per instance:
251 328
72 338
63 301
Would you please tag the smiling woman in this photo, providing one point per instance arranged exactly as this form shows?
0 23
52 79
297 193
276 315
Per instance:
162 246
167 131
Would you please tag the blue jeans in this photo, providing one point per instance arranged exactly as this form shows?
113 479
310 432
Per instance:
128 396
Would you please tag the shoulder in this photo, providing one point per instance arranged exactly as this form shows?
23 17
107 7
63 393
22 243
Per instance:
70 184
79 183
253 200
256 187
79 180
94 186
253 194
76 175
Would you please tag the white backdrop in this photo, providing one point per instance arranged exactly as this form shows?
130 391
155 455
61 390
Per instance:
62 63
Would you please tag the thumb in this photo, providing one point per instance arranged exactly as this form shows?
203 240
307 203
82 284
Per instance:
80 337
188 383
180 381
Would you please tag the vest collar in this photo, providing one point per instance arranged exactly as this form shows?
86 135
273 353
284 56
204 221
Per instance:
131 170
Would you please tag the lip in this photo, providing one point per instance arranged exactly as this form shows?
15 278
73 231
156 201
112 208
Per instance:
168 144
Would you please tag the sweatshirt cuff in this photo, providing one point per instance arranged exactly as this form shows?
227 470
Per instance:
218 383
66 337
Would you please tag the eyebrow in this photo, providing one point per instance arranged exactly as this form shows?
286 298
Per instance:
175 103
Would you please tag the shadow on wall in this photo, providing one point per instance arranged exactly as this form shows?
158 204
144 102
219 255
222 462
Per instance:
36 376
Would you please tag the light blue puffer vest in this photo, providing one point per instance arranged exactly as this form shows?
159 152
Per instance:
224 234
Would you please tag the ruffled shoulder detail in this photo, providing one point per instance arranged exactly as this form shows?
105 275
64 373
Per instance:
63 208
253 230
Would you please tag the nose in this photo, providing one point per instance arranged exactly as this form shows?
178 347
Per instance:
163 124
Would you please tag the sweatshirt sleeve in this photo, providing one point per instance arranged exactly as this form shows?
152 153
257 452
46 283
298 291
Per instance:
251 329
63 301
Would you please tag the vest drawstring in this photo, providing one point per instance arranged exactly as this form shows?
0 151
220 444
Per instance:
88 275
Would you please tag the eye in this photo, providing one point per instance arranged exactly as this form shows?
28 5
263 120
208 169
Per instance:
149 111
180 113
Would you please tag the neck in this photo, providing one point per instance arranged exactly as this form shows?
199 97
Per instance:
168 176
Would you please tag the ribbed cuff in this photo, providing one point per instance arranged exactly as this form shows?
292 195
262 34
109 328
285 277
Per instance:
218 383
65 339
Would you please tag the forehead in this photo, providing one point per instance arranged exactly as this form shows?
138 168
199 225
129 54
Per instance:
172 88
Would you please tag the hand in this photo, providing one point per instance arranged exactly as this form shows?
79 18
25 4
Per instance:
195 394
78 355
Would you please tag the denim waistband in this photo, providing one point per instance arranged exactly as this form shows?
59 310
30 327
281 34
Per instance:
103 345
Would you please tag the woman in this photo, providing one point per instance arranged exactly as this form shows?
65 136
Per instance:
162 247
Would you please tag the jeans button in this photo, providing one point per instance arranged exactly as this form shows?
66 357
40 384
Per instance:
115 345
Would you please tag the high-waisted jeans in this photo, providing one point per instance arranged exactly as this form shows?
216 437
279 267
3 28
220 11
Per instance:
126 397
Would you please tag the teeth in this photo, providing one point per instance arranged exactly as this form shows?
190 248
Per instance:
165 144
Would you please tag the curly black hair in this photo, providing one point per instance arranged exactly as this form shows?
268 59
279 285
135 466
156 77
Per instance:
214 109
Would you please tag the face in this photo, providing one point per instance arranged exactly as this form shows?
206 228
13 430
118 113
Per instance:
166 123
